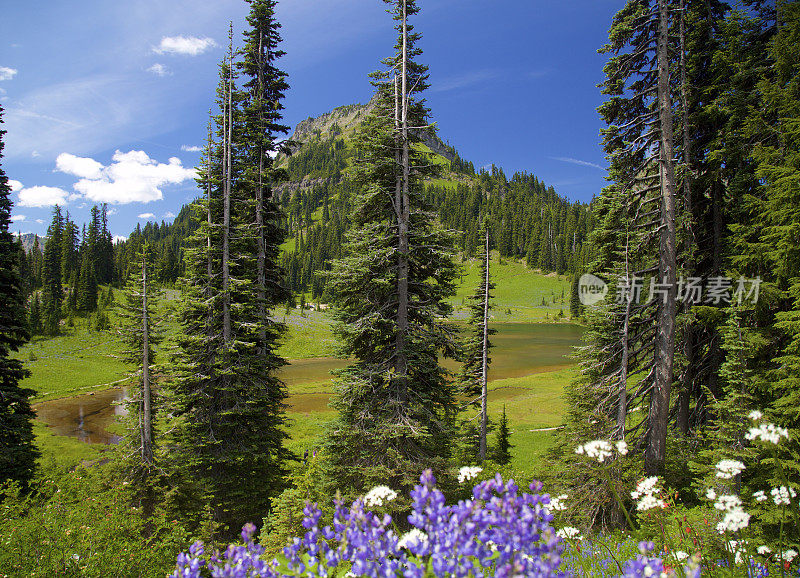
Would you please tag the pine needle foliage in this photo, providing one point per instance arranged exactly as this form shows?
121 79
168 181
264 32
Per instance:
17 450
395 407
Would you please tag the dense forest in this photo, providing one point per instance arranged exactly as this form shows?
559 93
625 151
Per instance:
675 446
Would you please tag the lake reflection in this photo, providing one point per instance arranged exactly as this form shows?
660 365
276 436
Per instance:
519 349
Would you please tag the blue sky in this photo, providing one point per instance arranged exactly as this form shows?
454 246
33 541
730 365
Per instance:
107 101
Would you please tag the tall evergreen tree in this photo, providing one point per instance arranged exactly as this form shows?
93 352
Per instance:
52 289
777 123
476 360
231 406
395 406
140 334
17 450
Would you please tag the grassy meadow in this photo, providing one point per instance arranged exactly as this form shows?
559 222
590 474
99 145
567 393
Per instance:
83 360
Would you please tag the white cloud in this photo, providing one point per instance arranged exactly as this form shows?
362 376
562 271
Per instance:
83 168
132 177
578 162
35 154
18 218
159 70
146 216
7 73
40 221
169 215
191 148
189 45
15 185
119 239
42 197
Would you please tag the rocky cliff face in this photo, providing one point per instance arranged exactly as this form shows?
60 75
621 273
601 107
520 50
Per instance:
344 121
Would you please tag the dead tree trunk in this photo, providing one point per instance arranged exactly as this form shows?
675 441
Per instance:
485 356
403 220
261 259
687 379
665 334
147 410
226 218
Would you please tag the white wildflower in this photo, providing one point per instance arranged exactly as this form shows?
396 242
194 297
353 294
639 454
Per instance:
755 415
727 469
789 555
622 448
415 536
597 449
734 521
783 495
735 517
680 555
557 504
767 432
728 503
646 486
569 533
764 550
647 494
711 494
738 549
468 473
760 496
378 495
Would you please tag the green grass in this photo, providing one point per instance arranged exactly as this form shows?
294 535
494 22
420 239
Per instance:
533 402
309 335
77 362
537 403
82 360
519 292
63 451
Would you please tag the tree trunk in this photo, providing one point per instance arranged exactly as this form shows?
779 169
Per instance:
622 403
687 379
403 221
261 260
665 335
226 224
209 261
485 360
147 417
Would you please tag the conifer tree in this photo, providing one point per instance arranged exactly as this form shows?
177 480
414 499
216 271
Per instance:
139 332
52 289
395 407
503 447
231 407
637 335
777 121
17 450
35 316
476 360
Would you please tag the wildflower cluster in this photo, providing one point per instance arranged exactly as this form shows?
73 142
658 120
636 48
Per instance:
569 533
500 531
735 518
647 493
782 496
468 473
558 504
727 469
767 432
600 450
378 495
